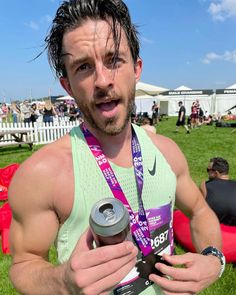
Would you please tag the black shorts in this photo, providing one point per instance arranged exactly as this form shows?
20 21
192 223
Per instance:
180 123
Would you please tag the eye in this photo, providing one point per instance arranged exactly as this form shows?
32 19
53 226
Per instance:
84 67
114 62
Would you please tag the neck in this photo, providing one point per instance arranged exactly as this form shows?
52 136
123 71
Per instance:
117 148
226 177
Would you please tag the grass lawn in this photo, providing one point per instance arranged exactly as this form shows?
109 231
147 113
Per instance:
199 146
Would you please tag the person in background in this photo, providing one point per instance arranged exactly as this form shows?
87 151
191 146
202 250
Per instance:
181 118
34 113
208 120
94 49
26 111
48 112
73 113
1 113
61 110
4 113
146 124
15 112
194 115
155 110
220 191
199 112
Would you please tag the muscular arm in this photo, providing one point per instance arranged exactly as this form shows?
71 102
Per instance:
33 229
205 227
34 201
204 224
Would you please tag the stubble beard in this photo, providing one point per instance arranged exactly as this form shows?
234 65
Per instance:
110 126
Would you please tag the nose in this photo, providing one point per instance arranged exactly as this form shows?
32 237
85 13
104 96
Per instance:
104 77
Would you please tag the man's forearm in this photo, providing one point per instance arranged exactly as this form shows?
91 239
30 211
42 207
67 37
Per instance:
205 234
38 277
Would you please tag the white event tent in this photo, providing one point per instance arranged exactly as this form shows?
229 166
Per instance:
225 100
145 94
65 98
169 100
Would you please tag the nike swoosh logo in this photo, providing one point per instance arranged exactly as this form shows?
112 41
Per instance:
153 171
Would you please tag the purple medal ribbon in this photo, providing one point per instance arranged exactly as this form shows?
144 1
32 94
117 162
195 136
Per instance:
140 229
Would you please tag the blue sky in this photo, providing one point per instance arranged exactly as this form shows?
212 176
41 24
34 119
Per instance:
183 42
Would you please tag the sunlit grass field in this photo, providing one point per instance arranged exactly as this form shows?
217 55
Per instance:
199 146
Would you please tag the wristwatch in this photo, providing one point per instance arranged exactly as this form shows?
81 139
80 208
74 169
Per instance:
214 251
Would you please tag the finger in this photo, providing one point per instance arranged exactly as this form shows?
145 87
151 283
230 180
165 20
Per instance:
88 276
85 242
111 281
173 285
179 259
181 274
106 253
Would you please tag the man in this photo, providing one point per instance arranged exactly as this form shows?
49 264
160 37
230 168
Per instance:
155 109
95 51
26 111
181 117
220 191
146 123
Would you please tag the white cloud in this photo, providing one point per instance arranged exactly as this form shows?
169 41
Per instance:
146 40
222 9
229 56
46 19
33 25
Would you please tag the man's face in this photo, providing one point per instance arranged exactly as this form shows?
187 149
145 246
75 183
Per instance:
104 93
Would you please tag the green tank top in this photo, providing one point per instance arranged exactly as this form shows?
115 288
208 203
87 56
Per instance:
90 186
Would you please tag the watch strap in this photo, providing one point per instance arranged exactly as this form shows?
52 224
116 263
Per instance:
215 252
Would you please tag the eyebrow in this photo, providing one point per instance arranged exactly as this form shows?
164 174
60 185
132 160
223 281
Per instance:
80 60
76 61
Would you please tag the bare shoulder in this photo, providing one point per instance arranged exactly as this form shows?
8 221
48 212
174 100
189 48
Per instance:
37 202
42 172
149 128
171 152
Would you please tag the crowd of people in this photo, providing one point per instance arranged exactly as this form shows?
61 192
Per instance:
44 111
197 117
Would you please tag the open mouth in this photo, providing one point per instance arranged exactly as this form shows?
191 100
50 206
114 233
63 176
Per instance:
107 107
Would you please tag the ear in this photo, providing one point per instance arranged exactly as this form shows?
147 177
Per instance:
217 174
66 85
138 69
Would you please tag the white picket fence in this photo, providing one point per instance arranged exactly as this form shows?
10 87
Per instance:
38 133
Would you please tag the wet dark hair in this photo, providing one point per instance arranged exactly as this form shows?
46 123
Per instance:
72 13
220 165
